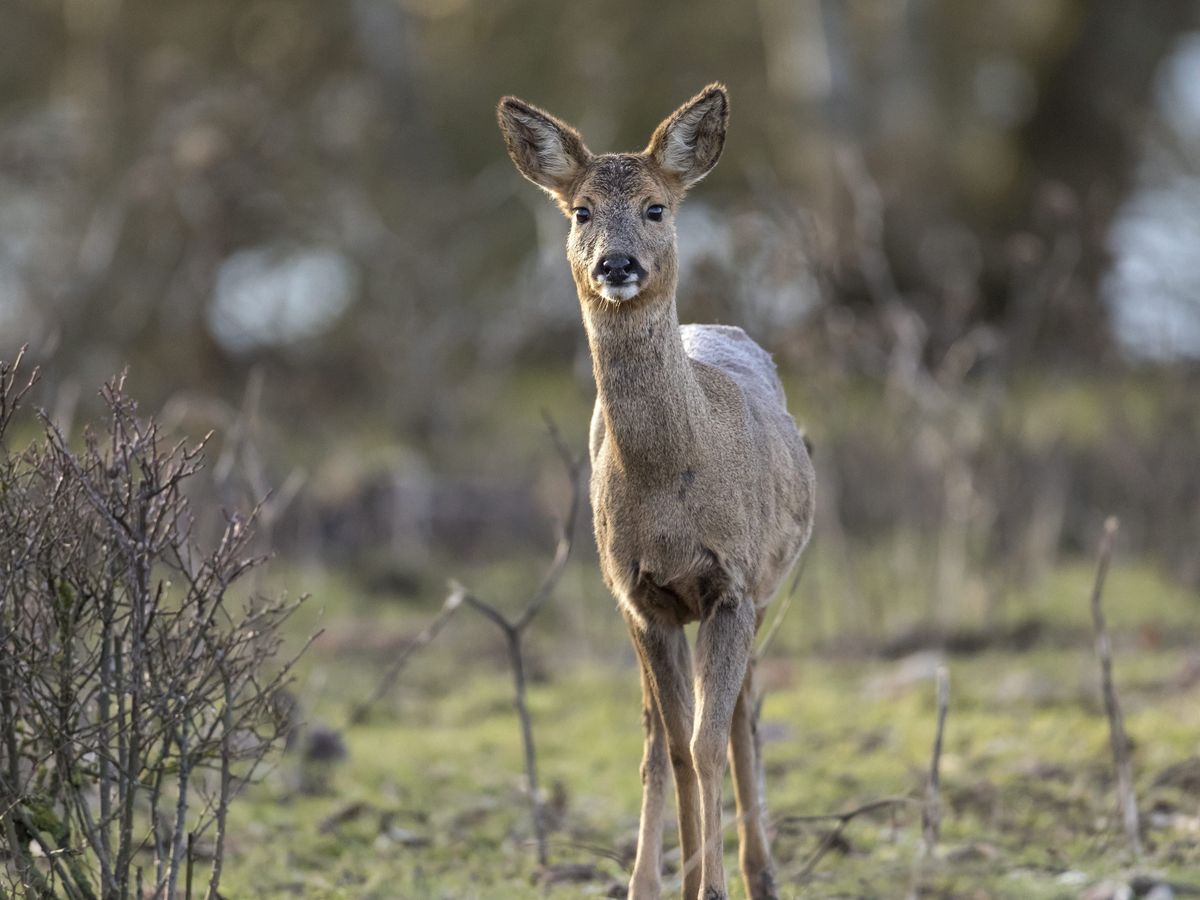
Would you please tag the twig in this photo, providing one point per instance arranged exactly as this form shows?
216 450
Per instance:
392 674
187 885
1126 799
849 814
594 849
226 784
518 670
513 632
843 819
514 629
11 394
931 815
784 606
566 534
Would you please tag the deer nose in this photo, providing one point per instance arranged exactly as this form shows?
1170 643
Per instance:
616 264
616 268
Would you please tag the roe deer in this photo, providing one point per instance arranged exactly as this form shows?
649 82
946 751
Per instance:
702 487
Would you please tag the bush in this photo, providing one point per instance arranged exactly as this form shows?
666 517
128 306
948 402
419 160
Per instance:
136 679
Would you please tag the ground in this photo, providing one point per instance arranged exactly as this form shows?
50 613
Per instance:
431 800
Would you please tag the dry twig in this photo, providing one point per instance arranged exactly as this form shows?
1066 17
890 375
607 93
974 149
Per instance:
931 815
842 819
452 604
1119 741
514 629
784 606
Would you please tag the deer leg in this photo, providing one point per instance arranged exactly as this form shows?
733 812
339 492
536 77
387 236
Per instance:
647 868
722 653
745 753
664 654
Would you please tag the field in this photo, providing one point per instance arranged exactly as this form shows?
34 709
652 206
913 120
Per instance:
426 795
430 800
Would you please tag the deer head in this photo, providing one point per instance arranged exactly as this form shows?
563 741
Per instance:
622 206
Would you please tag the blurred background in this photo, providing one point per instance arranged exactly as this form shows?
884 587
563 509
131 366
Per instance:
969 234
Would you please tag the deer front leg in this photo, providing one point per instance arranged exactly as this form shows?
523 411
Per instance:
647 868
663 651
722 653
745 754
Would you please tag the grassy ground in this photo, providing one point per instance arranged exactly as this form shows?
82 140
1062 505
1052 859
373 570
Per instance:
431 801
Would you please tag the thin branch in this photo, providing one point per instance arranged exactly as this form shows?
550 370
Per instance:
872 806
931 815
514 629
1118 740
843 819
484 607
226 781
10 394
392 674
535 804
566 536
512 637
187 882
594 849
784 606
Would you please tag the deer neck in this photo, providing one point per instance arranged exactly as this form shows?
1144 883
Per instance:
652 405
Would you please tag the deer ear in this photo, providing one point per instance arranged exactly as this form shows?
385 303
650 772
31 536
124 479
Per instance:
688 143
548 152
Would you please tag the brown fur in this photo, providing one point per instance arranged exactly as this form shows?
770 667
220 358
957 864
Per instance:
702 488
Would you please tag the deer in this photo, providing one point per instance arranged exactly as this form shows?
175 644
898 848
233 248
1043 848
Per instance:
702 486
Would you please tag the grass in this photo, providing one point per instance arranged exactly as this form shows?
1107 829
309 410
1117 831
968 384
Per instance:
431 801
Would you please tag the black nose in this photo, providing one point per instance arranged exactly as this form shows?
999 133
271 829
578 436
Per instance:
615 265
616 268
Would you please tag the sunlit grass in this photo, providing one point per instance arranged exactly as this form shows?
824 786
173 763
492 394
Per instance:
438 768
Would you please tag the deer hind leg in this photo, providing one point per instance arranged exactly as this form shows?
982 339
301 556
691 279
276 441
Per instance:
647 868
722 654
745 757
665 660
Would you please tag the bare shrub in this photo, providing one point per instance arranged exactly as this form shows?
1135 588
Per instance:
135 679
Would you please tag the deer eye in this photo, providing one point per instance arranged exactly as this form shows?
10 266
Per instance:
582 214
654 212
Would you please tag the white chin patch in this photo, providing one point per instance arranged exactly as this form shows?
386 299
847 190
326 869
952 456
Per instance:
619 292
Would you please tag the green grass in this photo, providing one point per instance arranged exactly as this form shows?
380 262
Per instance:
435 806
